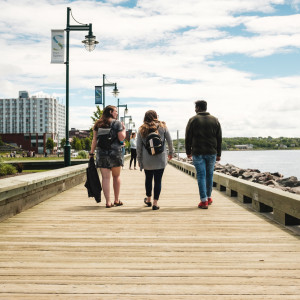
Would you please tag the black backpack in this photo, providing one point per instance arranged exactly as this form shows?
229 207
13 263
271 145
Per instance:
105 137
154 144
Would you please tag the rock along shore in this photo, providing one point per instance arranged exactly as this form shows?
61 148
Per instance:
275 180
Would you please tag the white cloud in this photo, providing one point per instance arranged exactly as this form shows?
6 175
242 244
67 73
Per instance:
159 50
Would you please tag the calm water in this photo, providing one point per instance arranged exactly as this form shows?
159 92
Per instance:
286 162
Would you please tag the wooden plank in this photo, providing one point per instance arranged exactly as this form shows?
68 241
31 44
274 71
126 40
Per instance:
69 247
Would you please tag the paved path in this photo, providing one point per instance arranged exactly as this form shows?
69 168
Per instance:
69 247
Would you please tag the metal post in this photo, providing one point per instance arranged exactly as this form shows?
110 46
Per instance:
67 152
118 109
178 144
89 41
124 120
103 91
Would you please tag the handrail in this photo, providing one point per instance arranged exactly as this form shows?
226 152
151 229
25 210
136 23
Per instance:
284 207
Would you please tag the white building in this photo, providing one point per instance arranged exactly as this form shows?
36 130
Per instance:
32 115
244 147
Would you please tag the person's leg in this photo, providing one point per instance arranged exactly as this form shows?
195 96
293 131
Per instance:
210 165
116 171
157 184
200 167
131 159
106 184
148 184
134 157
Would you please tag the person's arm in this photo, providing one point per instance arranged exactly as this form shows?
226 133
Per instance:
170 144
219 142
122 133
188 140
94 143
139 150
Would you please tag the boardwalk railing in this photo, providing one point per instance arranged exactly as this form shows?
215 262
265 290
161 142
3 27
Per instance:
22 192
284 207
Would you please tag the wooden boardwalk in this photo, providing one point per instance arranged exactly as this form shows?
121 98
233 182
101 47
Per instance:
69 247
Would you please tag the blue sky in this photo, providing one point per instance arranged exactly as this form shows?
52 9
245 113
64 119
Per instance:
242 56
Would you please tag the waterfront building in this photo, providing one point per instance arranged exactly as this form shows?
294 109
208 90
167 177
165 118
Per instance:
244 147
29 121
81 134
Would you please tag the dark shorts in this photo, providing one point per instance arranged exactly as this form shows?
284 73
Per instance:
110 159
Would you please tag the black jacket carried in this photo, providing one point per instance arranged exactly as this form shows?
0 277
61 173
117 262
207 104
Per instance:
93 183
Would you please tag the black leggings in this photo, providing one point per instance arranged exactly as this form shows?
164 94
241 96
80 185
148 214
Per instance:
133 157
157 174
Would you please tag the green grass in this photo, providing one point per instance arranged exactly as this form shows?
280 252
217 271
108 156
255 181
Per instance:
34 171
12 159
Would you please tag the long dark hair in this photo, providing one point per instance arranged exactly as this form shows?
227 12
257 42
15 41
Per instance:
104 122
151 123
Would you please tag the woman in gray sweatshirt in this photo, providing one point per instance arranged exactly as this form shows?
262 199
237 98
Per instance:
153 165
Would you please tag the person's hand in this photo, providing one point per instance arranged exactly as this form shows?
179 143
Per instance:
189 156
170 156
123 125
218 158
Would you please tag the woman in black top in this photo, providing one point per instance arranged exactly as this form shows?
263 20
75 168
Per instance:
107 134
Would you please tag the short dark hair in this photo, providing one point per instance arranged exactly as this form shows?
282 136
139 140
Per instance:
201 105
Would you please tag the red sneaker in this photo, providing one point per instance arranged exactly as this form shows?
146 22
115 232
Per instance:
203 205
210 201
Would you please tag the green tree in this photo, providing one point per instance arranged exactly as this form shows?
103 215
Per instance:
76 144
62 143
50 144
87 144
1 142
97 114
73 142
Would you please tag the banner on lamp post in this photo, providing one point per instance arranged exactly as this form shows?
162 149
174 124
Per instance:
98 94
57 46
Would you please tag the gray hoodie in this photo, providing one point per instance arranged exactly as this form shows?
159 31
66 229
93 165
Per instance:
154 162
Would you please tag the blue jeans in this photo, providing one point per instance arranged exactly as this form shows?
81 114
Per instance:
204 165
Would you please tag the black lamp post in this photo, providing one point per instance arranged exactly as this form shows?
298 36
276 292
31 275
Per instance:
90 44
122 105
115 90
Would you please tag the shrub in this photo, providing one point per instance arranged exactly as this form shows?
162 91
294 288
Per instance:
19 167
82 154
6 169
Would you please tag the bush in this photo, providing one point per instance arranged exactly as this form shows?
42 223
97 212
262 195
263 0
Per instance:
19 167
82 154
6 169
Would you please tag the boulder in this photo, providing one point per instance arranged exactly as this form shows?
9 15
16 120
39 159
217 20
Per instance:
276 180
295 190
289 181
247 175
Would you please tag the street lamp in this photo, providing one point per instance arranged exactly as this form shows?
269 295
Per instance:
122 105
90 44
130 120
115 91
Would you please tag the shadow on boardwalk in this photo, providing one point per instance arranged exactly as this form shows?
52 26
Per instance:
69 247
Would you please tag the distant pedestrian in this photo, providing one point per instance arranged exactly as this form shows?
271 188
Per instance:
203 140
133 150
153 164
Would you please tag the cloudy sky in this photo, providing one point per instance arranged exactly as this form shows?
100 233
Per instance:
242 56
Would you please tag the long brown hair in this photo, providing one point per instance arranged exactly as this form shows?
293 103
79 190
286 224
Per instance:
151 123
104 122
